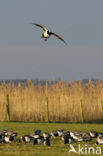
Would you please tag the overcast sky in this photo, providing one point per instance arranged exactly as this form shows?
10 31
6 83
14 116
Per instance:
23 54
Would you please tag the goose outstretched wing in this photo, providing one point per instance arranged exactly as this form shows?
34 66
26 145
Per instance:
41 26
58 37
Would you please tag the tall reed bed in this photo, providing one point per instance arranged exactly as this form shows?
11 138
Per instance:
61 101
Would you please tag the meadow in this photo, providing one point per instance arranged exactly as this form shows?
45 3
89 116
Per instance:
52 102
57 147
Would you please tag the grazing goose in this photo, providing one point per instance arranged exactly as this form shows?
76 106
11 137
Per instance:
99 134
46 134
48 33
9 133
36 136
99 140
71 140
87 137
37 132
68 140
9 139
54 134
26 139
65 135
93 134
80 136
65 138
47 141
76 136
2 135
39 140
1 138
60 132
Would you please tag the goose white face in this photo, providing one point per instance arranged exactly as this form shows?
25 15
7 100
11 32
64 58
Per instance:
6 139
27 139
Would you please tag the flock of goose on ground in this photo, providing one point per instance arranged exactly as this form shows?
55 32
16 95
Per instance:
8 136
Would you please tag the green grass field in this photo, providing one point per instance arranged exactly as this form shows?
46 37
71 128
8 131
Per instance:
57 147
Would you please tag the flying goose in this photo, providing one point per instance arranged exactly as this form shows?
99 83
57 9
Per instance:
48 33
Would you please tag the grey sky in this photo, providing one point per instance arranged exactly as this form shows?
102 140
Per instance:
23 54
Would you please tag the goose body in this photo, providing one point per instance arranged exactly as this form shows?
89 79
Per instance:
47 141
36 136
9 133
87 137
80 136
26 139
46 34
37 132
99 134
54 134
65 138
76 136
40 140
93 134
71 140
60 132
65 135
1 138
46 134
100 140
8 139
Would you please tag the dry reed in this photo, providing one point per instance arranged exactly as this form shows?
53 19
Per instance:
27 101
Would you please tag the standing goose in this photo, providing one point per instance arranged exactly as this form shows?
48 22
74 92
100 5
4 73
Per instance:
48 33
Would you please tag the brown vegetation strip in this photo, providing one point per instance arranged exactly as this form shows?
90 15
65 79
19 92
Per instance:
28 102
